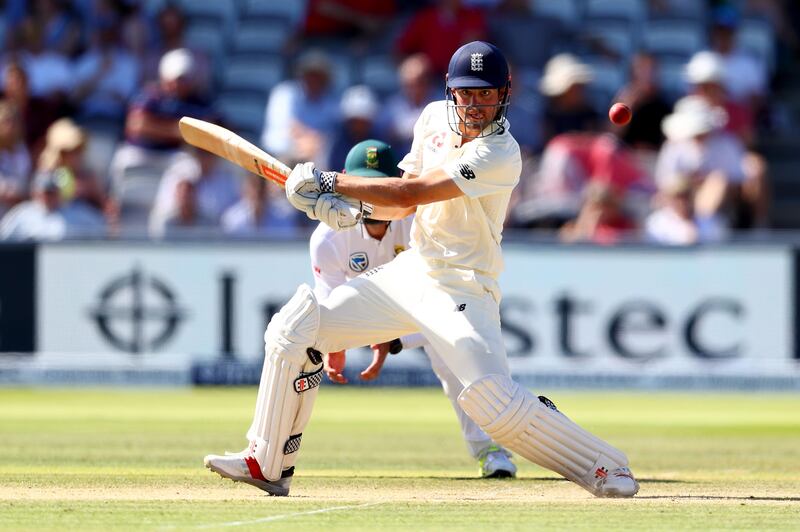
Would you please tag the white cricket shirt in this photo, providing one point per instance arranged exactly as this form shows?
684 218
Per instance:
338 256
463 232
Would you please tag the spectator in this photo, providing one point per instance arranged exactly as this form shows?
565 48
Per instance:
525 114
359 22
360 113
35 113
63 155
46 217
698 146
705 72
564 83
437 31
569 163
745 75
171 35
151 127
15 164
601 219
216 188
648 103
61 32
49 72
185 219
302 113
511 29
403 108
263 210
105 76
674 222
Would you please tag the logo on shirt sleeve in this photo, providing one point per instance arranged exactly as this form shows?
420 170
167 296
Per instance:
359 261
466 172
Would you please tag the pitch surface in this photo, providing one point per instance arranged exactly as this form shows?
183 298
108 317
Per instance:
387 459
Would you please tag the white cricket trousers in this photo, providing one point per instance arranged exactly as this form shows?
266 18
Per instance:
456 310
475 438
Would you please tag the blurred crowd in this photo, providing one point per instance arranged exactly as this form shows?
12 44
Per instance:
93 89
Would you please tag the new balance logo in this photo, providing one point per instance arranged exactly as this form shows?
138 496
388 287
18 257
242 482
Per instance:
601 472
466 171
476 62
461 308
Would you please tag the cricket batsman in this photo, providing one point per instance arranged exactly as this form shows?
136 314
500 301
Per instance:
458 179
338 256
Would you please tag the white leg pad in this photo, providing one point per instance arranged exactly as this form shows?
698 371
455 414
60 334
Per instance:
519 420
289 384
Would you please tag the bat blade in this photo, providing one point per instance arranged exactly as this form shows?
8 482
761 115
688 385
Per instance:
228 145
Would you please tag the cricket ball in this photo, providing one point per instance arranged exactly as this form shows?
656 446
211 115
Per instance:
620 114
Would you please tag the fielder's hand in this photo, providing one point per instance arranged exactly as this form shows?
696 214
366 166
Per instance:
338 212
334 367
379 352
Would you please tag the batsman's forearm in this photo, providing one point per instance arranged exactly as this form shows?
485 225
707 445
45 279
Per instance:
380 192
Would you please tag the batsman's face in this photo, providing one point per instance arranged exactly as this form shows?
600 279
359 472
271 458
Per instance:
476 108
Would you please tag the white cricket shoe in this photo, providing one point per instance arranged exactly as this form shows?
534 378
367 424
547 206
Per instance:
496 463
240 468
618 483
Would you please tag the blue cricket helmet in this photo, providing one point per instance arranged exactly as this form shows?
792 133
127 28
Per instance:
478 65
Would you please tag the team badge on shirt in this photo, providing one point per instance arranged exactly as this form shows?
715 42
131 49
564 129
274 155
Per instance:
436 142
398 249
359 261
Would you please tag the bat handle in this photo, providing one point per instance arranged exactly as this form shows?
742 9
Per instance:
357 213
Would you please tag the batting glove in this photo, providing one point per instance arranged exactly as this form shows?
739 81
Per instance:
305 183
338 212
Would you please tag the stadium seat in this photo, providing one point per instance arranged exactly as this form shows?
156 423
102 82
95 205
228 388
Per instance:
679 10
293 10
671 78
567 11
342 71
632 10
206 36
253 73
261 35
220 11
136 193
757 37
242 112
609 76
151 7
673 37
615 35
379 73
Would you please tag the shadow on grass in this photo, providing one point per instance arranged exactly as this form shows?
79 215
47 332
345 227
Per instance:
720 498
523 479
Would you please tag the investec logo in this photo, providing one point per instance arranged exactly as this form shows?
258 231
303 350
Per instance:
136 312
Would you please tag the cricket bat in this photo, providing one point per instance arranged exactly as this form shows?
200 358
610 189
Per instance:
228 145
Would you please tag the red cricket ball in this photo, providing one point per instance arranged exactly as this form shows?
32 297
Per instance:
620 114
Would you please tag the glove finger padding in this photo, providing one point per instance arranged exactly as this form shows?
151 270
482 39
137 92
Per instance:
338 212
302 189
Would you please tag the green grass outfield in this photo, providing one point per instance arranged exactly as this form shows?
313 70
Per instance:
387 459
